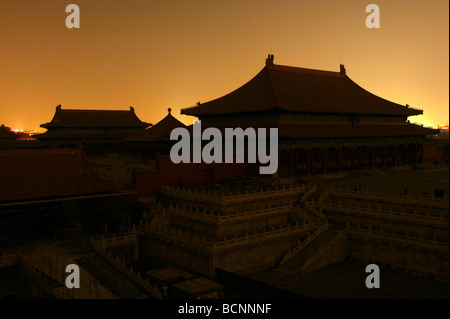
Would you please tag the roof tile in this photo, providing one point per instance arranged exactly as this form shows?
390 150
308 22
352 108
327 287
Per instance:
300 90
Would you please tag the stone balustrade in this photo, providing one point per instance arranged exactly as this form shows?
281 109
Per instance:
220 218
222 198
211 245
119 264
341 234
375 211
312 190
421 201
291 253
116 241
407 239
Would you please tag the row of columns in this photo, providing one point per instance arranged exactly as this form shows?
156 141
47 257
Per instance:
323 160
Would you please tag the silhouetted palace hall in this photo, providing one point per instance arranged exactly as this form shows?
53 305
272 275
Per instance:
326 122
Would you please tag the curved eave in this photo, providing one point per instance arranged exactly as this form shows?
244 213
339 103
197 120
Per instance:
402 109
257 95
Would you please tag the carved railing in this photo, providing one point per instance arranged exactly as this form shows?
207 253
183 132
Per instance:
341 234
324 195
311 206
422 201
221 198
292 252
220 218
119 264
127 239
211 245
301 214
407 239
312 190
374 211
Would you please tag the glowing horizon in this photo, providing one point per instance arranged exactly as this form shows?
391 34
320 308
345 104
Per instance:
154 55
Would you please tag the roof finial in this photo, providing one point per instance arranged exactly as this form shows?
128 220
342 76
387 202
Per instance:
58 107
131 109
169 109
342 71
269 60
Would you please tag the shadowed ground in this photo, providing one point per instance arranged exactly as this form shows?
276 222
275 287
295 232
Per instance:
347 280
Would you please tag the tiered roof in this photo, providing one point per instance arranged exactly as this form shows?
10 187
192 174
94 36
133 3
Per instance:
159 132
95 119
300 90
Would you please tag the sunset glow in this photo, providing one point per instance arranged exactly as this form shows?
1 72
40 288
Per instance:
153 55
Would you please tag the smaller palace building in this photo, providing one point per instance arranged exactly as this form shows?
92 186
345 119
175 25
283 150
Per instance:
154 140
98 131
326 122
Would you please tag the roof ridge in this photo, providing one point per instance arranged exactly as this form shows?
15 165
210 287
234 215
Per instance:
93 110
306 70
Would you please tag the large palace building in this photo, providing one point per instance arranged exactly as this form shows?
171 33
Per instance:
326 122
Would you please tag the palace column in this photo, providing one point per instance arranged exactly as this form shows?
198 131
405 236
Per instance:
324 160
417 153
406 154
421 152
353 158
384 156
291 163
308 161
340 159
359 155
279 164
395 155
373 156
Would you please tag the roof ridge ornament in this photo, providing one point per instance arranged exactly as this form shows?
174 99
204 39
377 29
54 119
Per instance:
342 71
269 60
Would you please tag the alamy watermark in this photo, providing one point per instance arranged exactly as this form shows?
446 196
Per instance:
373 280
73 279
373 19
257 144
73 19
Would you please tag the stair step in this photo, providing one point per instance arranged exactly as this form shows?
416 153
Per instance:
295 264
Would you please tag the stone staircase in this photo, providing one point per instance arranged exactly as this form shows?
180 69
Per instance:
304 214
76 224
294 266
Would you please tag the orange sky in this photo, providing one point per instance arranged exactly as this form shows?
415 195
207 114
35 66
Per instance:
159 54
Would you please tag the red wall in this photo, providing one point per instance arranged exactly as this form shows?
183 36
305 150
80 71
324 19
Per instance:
431 152
191 174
